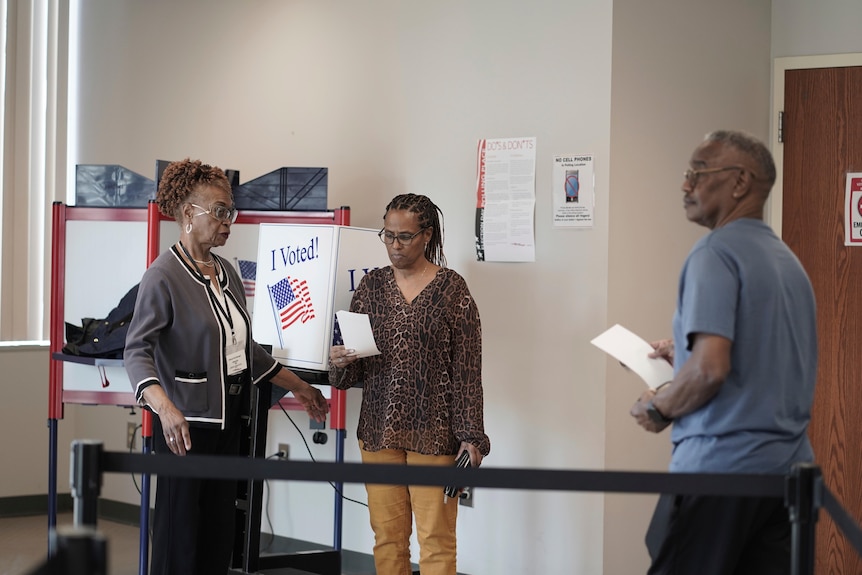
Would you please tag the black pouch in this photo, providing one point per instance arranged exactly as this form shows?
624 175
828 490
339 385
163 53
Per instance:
105 338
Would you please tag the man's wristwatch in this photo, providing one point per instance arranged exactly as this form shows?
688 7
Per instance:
655 415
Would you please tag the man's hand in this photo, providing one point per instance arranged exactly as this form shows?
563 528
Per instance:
664 349
639 412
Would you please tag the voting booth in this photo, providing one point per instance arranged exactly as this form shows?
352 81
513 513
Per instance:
99 253
305 273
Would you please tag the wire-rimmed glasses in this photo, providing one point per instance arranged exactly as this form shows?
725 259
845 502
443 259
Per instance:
691 175
219 212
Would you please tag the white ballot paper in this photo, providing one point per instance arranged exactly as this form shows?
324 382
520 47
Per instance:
356 333
632 351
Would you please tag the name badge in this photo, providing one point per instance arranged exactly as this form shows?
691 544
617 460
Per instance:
235 359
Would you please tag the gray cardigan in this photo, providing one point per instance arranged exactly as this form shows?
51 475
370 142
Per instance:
176 340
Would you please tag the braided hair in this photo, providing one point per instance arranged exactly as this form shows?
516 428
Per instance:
182 179
430 216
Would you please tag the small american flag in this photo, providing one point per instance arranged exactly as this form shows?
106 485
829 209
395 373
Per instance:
291 302
248 272
337 339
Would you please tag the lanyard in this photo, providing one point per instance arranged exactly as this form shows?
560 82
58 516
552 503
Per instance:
225 312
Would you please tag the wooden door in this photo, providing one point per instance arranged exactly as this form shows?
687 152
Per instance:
822 142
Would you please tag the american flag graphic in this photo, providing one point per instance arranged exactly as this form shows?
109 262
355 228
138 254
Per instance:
291 302
337 339
248 272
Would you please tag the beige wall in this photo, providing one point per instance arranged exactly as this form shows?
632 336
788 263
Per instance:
672 83
392 96
23 424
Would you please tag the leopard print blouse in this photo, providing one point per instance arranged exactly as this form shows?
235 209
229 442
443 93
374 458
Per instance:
423 393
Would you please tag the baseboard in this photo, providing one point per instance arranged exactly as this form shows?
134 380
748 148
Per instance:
120 512
24 505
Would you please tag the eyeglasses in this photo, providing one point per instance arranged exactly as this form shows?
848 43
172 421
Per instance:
389 238
219 212
691 176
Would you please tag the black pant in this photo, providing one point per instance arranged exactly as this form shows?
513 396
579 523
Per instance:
194 519
719 536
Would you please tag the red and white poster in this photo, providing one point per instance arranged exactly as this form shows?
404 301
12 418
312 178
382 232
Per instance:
853 210
506 200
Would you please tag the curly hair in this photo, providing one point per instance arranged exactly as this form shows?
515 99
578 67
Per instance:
182 179
430 216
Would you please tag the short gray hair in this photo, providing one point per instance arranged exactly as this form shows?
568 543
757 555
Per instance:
751 147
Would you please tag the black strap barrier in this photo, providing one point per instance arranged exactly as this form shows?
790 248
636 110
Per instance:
803 490
842 519
222 467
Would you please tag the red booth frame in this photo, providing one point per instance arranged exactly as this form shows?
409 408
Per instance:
58 397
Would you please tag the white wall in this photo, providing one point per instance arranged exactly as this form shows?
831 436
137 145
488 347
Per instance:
392 97
804 28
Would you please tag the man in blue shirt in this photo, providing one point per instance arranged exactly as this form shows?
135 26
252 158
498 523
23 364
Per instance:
744 351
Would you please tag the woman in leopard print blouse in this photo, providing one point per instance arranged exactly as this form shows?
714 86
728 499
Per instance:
422 396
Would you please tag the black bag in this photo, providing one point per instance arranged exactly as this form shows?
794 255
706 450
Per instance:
105 338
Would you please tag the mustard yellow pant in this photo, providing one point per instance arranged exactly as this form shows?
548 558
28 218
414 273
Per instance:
392 509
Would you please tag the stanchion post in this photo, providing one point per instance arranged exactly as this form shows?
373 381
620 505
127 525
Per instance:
80 551
803 498
86 480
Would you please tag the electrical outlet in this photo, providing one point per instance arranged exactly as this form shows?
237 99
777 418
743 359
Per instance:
466 497
284 449
130 434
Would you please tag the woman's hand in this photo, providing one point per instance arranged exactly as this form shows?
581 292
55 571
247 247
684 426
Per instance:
176 430
475 456
174 424
308 396
313 401
341 357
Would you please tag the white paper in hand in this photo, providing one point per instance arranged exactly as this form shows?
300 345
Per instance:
632 351
356 333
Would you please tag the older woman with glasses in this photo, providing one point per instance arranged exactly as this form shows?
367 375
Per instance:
191 360
422 396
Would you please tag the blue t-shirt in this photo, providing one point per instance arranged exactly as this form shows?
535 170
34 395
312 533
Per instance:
743 283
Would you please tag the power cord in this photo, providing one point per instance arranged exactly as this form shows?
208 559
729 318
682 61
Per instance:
131 450
308 449
277 455
134 480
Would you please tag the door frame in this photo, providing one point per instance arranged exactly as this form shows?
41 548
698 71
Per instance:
779 67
